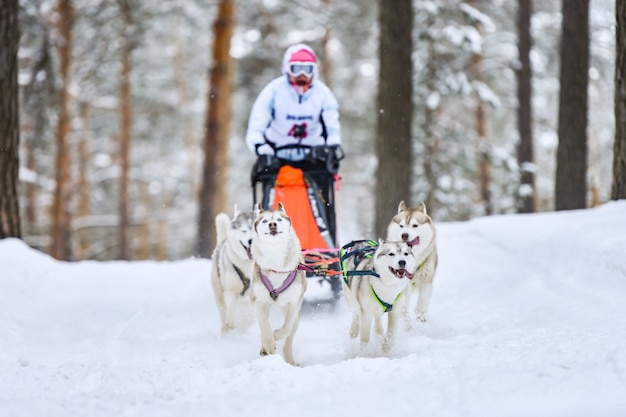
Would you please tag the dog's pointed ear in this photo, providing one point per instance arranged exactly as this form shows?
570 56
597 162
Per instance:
381 241
236 211
257 209
402 206
422 208
281 207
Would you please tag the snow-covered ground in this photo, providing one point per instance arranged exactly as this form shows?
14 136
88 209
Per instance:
528 318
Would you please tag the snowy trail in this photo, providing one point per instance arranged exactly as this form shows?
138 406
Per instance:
527 319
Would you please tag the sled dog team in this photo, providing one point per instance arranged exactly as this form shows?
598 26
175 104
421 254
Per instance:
258 259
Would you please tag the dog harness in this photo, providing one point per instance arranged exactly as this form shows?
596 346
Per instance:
386 306
244 279
275 292
422 264
366 249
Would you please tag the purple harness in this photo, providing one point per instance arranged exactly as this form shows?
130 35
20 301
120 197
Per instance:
274 292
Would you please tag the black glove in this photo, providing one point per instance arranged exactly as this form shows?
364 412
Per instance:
267 164
329 156
318 153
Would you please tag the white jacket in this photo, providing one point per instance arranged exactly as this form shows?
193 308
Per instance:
280 109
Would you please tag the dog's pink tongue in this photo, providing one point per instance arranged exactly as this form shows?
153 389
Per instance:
401 273
249 252
414 242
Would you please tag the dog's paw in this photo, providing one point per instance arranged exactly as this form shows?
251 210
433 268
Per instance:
354 331
354 327
406 317
280 334
290 361
388 342
267 350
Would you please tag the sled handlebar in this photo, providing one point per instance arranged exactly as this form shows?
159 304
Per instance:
326 156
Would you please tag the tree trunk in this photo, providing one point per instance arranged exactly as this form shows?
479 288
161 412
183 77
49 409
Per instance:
571 159
61 234
145 228
326 69
618 191
182 88
215 175
84 185
30 190
125 128
431 136
162 226
9 120
395 110
484 162
525 158
480 124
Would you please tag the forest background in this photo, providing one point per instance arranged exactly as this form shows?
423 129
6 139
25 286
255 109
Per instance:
153 60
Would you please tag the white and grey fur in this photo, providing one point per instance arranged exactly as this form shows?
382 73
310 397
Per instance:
414 226
276 251
392 261
232 265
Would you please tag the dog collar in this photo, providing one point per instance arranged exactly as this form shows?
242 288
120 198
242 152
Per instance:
274 292
386 306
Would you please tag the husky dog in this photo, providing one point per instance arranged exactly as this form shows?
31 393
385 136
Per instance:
415 227
276 278
373 287
232 264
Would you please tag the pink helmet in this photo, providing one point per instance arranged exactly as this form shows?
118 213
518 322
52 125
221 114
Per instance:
300 59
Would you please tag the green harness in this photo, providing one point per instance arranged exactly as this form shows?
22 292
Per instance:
386 306
357 249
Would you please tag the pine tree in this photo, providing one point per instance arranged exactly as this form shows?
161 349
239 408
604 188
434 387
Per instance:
395 110
525 156
619 150
214 178
9 120
571 170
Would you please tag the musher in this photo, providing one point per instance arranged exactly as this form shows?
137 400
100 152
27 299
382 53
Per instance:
295 121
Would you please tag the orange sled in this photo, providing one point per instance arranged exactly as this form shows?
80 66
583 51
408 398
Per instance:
291 190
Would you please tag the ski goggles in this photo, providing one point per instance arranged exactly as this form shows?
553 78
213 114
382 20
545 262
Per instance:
296 69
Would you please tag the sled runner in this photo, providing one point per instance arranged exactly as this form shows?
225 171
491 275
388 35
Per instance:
307 190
